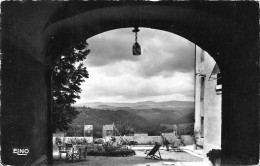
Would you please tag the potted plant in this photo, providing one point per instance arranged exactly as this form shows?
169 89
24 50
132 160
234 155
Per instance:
214 156
58 141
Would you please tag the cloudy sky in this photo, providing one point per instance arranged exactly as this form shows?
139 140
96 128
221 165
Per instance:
163 72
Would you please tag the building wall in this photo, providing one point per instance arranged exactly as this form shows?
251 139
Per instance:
207 111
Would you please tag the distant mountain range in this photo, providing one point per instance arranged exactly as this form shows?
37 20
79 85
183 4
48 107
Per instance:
144 116
165 105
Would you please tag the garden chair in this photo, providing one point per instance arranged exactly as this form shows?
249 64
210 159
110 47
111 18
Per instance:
67 149
152 153
80 153
176 145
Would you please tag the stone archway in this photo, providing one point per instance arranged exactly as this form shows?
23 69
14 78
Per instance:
34 35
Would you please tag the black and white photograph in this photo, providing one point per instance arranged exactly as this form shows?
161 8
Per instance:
129 83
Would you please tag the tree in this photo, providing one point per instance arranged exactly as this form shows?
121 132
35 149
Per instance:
123 127
68 75
77 131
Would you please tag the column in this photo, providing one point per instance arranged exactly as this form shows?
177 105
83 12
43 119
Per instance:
240 107
24 107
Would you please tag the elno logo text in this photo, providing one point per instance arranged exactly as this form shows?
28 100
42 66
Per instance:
21 151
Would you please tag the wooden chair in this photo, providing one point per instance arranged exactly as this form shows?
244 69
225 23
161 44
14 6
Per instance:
152 153
67 149
74 153
80 152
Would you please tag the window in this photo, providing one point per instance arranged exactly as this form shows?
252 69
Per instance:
202 126
219 79
202 88
214 73
219 83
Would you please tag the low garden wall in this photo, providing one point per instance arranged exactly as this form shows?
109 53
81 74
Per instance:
171 137
73 139
187 140
148 140
141 139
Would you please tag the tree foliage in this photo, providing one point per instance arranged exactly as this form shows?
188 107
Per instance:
68 75
123 127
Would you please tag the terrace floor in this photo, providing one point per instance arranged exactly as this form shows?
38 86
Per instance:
169 158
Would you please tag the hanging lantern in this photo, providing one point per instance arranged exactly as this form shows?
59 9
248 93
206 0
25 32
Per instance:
136 46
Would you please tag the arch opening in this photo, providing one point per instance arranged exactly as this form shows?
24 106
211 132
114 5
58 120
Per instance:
158 47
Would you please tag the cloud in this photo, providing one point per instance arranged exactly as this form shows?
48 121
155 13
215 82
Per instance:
111 47
163 72
163 53
129 87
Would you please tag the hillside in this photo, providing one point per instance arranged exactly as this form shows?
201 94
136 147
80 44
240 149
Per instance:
98 118
141 117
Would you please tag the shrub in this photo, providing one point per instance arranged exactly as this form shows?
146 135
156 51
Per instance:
108 146
113 139
81 141
213 155
110 149
116 153
99 148
99 141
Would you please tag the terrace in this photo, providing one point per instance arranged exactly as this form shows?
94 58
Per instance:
185 157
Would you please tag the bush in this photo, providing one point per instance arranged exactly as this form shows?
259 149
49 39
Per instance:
133 143
214 154
110 149
99 141
113 139
116 153
81 141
